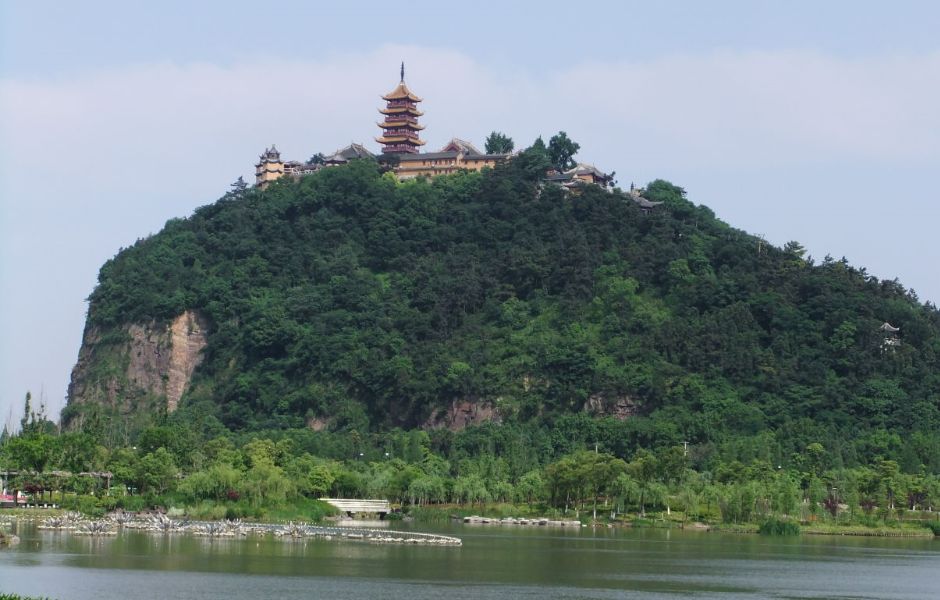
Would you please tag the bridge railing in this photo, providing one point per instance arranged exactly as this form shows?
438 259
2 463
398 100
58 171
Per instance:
358 505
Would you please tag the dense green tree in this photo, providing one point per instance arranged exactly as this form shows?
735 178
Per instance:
156 472
499 143
561 150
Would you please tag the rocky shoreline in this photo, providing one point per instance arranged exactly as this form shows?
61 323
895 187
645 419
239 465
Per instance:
537 522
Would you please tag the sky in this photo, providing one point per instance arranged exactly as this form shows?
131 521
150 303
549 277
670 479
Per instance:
808 121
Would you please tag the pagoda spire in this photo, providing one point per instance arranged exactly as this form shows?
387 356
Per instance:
400 127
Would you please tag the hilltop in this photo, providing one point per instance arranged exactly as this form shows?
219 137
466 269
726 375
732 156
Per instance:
349 302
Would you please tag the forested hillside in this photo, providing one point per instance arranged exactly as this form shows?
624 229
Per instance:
351 303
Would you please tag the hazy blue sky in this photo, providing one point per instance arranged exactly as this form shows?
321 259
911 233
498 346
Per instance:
814 121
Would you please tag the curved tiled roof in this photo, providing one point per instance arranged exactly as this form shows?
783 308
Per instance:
401 92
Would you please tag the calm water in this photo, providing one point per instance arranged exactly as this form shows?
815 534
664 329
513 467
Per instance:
494 562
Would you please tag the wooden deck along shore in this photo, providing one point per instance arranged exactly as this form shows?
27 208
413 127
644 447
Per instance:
352 506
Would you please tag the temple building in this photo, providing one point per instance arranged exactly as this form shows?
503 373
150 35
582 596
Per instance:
457 155
580 175
400 127
270 167
351 152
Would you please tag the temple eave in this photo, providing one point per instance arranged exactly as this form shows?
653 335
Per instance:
400 140
398 110
400 125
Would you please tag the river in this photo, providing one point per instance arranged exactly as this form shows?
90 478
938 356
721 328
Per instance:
495 562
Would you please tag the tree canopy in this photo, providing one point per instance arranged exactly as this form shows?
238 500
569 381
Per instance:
362 303
561 151
499 143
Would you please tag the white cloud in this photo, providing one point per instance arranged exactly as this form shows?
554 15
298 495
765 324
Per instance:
93 161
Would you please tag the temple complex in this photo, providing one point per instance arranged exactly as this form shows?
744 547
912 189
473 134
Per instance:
400 127
270 167
401 145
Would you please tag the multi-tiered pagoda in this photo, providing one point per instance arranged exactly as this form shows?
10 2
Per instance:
400 135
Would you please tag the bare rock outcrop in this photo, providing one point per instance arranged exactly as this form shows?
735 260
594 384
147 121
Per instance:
461 414
158 360
619 407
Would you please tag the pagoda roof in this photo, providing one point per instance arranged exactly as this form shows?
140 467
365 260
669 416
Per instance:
645 203
402 123
270 154
397 110
350 152
462 146
399 139
888 327
585 169
401 93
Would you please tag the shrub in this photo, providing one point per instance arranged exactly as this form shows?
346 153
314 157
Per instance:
87 505
775 526
132 503
107 503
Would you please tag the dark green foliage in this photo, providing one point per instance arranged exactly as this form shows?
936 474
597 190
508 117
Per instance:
350 299
499 143
561 150
777 526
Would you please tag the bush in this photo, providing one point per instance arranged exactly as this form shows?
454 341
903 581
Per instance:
107 503
208 511
87 505
933 526
774 526
131 503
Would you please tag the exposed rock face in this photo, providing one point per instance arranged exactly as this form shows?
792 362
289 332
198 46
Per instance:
462 414
619 407
317 424
138 360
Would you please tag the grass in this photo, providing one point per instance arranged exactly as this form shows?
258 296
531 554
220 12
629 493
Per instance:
911 530
31 514
735 527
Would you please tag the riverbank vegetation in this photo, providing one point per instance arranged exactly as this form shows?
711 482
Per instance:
434 475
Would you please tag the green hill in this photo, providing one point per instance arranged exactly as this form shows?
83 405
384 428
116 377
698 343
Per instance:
347 301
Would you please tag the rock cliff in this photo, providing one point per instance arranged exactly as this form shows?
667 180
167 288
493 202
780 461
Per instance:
115 368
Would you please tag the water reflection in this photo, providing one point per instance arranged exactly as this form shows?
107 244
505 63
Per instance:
494 562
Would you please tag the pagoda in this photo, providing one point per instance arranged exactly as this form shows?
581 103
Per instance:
400 127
